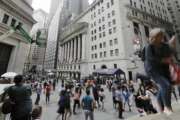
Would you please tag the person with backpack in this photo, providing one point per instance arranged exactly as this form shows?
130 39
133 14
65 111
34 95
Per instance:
158 56
20 96
88 106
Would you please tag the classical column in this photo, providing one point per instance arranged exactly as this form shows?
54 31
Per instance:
71 57
75 48
83 46
70 49
66 51
79 48
62 53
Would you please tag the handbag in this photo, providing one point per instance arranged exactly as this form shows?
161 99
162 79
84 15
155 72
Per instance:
175 73
7 106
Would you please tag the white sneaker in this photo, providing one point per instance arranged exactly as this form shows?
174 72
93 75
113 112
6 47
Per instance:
168 112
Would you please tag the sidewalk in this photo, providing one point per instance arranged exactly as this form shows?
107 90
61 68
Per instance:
174 116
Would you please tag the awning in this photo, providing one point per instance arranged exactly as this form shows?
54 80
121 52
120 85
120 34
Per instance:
142 76
108 71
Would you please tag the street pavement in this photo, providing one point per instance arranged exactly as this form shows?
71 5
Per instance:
49 111
174 116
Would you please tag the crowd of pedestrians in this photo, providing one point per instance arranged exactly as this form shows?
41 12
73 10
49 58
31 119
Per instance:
150 96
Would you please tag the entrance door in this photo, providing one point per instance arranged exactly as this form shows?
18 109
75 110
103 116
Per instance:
130 75
5 52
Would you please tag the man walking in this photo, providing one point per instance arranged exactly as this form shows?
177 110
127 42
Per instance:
21 96
88 106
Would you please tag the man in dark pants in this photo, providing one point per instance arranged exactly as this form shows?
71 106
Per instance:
21 96
119 99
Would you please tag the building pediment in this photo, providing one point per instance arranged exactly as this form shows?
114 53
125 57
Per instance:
73 28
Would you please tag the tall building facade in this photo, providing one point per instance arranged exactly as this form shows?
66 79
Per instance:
38 52
174 10
65 13
109 35
14 49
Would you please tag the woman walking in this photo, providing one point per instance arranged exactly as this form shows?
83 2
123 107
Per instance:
157 57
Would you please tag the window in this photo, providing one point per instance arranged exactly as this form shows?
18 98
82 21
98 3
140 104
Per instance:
104 53
110 42
95 55
103 19
114 29
110 31
99 11
104 44
131 2
136 27
103 27
95 47
134 4
5 19
100 45
92 48
114 21
116 52
113 13
102 9
13 22
112 2
101 54
115 41
95 37
92 56
104 34
94 67
100 35
99 20
99 29
109 24
111 53
108 5
146 28
109 15
115 66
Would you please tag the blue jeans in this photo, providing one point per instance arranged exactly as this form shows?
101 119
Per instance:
89 114
164 94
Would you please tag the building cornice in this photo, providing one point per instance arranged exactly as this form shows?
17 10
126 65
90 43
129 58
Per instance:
71 30
16 35
25 2
147 14
11 7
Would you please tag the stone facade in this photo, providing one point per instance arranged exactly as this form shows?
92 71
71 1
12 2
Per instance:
11 14
115 29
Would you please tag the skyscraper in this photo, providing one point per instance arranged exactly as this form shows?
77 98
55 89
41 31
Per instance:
64 13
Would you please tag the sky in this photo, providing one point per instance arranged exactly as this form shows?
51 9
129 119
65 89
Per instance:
42 4
45 4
